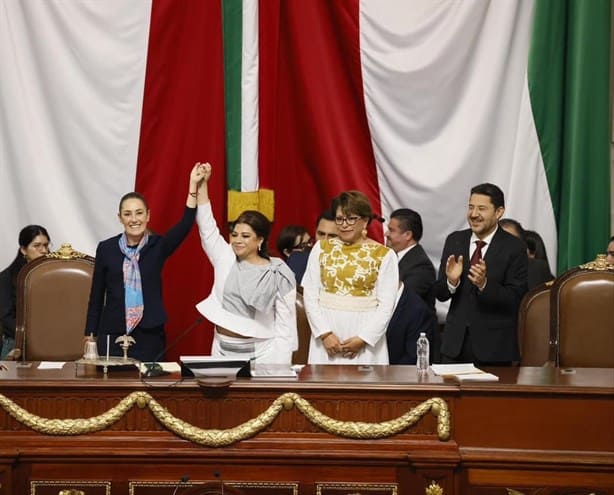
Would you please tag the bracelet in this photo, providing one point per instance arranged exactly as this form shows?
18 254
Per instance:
194 194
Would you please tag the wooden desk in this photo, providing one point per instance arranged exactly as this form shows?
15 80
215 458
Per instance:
535 429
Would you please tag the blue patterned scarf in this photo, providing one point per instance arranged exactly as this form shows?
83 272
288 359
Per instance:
132 281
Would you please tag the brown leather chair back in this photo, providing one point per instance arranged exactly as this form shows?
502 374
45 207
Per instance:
52 299
583 317
304 331
534 338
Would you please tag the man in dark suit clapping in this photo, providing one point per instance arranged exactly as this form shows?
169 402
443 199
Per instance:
484 272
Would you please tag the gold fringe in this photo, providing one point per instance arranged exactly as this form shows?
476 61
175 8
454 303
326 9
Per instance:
222 438
262 200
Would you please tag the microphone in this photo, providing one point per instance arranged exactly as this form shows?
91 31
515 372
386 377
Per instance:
218 475
154 368
184 479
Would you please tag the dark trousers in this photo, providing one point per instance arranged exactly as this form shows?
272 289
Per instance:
467 356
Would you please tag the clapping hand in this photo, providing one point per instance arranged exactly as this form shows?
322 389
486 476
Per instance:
454 269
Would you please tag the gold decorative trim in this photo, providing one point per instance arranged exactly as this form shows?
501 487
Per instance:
222 438
64 487
600 264
323 488
433 489
66 252
133 486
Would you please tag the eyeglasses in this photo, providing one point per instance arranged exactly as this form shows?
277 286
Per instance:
349 220
304 245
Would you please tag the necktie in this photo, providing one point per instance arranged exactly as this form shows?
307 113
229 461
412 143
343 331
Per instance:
477 254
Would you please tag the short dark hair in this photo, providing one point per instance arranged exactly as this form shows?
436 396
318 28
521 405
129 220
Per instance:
492 191
409 220
535 245
327 214
504 222
286 240
260 225
353 202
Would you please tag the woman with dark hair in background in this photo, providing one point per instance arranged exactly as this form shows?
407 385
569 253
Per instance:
291 239
350 289
253 300
538 270
33 243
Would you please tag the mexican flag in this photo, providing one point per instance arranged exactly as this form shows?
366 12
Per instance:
292 102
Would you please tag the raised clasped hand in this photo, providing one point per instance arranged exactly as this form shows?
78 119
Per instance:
202 171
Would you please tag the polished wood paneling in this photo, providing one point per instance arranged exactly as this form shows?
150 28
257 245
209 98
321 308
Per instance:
517 433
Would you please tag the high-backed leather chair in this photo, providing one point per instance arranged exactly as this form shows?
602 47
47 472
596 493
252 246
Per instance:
583 316
534 339
304 331
52 299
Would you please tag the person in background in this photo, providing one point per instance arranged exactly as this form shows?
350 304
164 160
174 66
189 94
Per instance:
538 270
350 288
415 311
291 239
535 245
34 242
126 293
483 271
415 268
326 228
293 244
253 300
610 251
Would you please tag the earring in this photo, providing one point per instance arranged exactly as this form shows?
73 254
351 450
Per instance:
364 233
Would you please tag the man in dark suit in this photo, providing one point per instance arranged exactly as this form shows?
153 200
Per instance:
411 317
415 268
415 310
484 272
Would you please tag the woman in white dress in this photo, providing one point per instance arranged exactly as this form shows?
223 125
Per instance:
253 299
350 289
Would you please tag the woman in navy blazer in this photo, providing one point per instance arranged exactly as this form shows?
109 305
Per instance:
126 294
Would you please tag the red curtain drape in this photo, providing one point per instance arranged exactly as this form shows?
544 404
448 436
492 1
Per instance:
183 122
314 136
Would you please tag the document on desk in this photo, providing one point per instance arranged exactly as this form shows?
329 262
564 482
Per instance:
273 371
51 365
463 372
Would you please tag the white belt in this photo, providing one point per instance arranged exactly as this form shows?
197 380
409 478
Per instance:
347 303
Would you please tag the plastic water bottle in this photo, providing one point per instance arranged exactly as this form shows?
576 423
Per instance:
422 353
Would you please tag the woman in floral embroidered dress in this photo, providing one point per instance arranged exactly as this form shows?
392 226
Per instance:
350 289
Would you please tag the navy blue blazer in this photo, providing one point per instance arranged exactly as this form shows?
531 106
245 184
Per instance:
106 312
490 315
411 316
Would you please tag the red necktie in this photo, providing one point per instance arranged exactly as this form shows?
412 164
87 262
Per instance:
477 254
